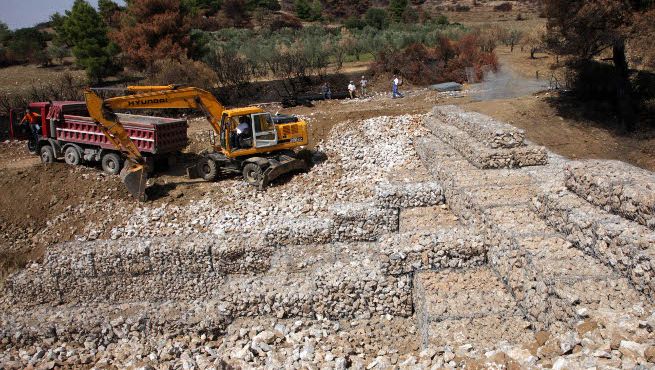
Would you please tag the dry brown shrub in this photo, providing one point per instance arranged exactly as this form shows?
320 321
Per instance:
65 87
504 7
445 62
182 71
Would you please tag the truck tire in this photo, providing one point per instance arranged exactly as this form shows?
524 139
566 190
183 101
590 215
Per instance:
72 156
208 169
32 145
252 174
47 154
112 163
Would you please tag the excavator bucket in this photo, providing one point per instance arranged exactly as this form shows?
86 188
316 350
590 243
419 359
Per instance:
134 177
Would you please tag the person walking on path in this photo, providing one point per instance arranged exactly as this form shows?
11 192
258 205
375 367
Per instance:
394 89
363 83
351 89
327 91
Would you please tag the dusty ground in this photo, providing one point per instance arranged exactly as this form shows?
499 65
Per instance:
577 139
24 213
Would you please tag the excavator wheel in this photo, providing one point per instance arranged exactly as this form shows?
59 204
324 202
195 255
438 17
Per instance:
208 169
253 174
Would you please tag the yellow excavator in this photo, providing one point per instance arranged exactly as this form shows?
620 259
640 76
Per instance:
252 142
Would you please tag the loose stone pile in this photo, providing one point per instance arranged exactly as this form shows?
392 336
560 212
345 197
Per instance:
615 186
482 141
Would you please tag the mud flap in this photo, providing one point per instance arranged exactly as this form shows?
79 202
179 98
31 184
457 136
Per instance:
278 168
134 178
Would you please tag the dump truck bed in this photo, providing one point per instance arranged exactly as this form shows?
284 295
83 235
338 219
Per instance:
153 135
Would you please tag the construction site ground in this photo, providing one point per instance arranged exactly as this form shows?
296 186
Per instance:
26 182
393 251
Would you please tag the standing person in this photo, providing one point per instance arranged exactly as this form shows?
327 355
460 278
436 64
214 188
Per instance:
394 90
351 89
327 91
363 83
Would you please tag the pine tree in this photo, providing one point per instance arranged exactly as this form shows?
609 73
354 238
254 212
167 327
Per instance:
303 9
4 33
316 10
377 18
109 11
397 9
85 31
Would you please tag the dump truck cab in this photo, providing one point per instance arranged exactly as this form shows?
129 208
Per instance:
37 123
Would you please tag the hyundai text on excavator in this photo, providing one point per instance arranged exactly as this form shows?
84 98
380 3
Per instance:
251 142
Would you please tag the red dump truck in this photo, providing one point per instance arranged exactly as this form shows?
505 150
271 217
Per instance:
62 129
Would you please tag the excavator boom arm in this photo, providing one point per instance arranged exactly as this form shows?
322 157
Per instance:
182 98
133 174
147 97
111 126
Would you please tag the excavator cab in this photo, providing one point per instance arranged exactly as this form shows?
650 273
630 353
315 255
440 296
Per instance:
255 130
265 134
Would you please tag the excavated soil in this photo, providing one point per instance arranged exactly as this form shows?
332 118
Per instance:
35 196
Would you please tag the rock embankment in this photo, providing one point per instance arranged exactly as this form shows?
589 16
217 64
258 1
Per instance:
401 250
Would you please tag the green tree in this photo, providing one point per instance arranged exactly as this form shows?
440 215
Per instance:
109 11
57 52
377 18
585 30
264 4
4 33
303 9
442 20
85 31
206 7
397 9
27 45
354 23
316 10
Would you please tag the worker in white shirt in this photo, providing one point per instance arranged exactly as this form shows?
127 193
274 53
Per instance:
351 89
394 89
363 84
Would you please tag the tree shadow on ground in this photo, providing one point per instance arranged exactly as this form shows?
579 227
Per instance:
601 114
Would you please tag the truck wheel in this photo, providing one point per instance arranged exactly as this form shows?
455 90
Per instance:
32 146
47 154
72 156
111 163
208 169
252 174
